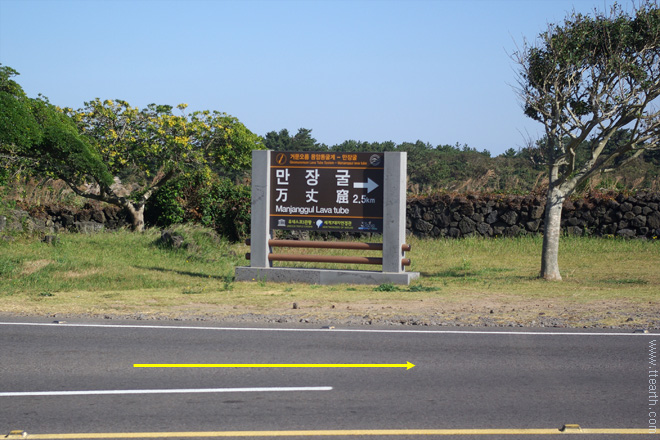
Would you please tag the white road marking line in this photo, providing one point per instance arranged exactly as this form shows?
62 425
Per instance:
165 391
337 330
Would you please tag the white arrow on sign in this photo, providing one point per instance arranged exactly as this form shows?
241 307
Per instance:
369 184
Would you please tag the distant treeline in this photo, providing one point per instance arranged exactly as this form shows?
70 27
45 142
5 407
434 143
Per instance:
460 168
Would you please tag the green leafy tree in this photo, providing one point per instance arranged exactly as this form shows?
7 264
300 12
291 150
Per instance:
19 129
303 141
145 148
585 80
352 146
509 153
278 141
35 134
283 141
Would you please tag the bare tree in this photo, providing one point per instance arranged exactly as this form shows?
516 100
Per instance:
585 80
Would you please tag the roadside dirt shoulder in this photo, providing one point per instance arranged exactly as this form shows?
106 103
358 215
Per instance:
612 314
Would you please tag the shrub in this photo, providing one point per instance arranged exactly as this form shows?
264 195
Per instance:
226 208
210 201
168 205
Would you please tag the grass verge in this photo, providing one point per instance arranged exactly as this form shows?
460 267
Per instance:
472 282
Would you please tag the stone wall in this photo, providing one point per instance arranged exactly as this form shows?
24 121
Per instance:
50 220
454 216
633 216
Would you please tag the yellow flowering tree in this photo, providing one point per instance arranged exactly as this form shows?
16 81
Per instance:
144 148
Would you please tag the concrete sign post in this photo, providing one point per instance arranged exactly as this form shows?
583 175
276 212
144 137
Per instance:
394 211
314 191
260 221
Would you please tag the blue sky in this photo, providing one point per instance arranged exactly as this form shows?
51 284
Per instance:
433 70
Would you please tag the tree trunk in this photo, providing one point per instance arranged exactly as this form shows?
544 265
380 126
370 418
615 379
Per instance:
137 216
552 231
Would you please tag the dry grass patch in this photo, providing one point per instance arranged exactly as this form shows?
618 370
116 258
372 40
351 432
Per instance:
80 274
30 267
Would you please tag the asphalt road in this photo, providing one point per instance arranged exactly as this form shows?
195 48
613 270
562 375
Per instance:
461 380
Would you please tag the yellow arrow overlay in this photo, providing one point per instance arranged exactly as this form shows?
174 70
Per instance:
407 365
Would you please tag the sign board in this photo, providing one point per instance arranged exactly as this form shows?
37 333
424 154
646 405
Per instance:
316 191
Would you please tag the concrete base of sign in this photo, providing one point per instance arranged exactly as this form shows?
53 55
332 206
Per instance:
322 276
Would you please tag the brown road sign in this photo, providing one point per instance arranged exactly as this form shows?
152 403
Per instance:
327 191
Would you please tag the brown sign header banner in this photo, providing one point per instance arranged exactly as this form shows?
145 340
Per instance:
327 191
